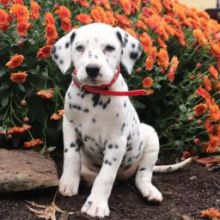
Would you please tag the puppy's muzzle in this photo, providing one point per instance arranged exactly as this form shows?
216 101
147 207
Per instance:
92 71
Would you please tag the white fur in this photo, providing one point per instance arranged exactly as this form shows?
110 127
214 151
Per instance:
115 143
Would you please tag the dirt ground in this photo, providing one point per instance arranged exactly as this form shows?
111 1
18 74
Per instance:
185 192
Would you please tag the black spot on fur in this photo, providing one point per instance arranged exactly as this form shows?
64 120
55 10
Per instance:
55 56
65 150
107 162
141 169
129 138
86 110
67 44
72 144
106 103
95 100
140 146
94 120
61 61
72 37
110 146
89 203
133 55
114 159
123 126
116 146
133 45
125 104
77 107
118 34
117 115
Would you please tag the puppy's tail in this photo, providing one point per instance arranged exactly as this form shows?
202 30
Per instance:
173 167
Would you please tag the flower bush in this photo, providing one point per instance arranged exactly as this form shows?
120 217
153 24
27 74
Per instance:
180 66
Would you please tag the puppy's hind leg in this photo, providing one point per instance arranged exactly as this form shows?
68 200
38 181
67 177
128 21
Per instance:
145 169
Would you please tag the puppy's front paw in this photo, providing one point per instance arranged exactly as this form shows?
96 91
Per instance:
68 186
149 191
96 208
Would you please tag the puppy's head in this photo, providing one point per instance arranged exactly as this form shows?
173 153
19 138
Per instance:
96 50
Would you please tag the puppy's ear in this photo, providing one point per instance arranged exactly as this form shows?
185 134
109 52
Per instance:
61 51
131 50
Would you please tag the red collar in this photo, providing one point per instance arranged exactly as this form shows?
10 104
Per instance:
103 89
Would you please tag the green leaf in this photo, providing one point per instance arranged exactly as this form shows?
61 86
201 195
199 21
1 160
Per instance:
4 101
4 86
21 87
183 108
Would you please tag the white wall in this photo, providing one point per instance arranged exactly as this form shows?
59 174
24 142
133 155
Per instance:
201 4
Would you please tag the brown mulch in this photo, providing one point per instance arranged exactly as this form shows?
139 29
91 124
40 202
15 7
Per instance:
185 192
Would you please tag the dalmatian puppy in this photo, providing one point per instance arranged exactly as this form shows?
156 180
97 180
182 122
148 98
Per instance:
103 137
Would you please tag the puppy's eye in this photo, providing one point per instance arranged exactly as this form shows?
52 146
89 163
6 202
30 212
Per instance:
80 48
109 48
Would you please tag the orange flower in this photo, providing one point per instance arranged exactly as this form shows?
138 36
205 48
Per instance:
18 2
126 5
15 61
109 18
207 83
35 10
33 143
211 213
103 2
162 43
148 82
215 47
49 19
61 112
210 126
55 117
214 112
141 25
22 14
5 2
174 64
213 71
151 59
200 37
44 52
146 41
19 130
83 3
213 145
20 11
19 77
202 92
163 58
4 20
22 28
84 18
123 21
65 17
51 31
46 93
51 34
200 109
98 13
63 12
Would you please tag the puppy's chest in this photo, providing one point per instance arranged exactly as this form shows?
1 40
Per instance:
92 109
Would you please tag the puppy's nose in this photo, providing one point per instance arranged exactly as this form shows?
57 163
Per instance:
92 71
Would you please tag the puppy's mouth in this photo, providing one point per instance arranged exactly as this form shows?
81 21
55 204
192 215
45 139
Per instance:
92 82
